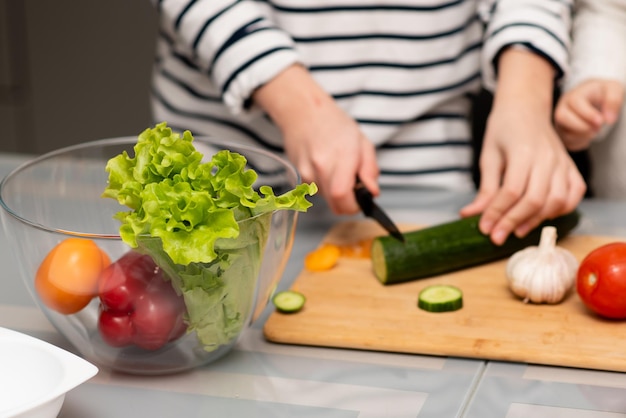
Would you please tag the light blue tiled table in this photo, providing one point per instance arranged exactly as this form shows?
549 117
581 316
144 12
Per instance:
262 379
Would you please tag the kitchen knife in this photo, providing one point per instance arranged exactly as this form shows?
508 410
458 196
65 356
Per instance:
365 199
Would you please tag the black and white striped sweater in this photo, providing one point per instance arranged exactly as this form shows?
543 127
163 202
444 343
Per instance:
404 69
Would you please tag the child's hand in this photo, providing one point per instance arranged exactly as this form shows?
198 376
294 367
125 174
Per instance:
328 147
324 143
584 110
527 175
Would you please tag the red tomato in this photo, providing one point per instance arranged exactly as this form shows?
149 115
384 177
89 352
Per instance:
138 305
124 280
116 329
67 279
601 280
156 319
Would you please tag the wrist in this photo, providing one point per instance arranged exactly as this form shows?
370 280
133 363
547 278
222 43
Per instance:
290 96
525 79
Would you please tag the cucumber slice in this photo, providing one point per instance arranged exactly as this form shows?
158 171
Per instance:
288 301
440 298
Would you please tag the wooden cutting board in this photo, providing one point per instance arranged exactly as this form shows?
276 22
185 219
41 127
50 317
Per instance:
348 307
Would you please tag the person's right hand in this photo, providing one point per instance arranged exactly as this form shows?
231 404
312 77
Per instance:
584 110
325 144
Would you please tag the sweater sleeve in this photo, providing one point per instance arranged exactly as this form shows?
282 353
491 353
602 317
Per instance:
599 41
232 41
542 26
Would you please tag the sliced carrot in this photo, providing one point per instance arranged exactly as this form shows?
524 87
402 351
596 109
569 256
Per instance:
359 249
323 258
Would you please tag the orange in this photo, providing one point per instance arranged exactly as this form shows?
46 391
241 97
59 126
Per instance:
67 279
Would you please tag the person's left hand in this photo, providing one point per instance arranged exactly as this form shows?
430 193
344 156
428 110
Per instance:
526 174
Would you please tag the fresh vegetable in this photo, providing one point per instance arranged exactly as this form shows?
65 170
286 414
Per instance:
138 304
359 249
67 279
326 256
450 246
440 298
289 301
203 223
322 258
542 273
601 280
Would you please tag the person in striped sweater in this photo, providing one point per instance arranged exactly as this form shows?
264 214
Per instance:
590 114
382 90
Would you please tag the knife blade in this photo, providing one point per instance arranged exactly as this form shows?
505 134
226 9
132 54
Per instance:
365 199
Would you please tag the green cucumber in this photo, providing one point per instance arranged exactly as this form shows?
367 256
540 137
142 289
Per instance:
440 298
288 301
450 246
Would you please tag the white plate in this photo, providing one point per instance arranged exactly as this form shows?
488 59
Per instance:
36 375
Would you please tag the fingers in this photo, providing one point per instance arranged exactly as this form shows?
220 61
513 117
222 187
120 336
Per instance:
577 126
576 140
613 99
337 177
544 207
577 190
491 169
327 147
585 109
520 208
512 202
565 194
581 112
339 188
369 170
570 119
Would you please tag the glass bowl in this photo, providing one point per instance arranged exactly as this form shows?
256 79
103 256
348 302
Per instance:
57 198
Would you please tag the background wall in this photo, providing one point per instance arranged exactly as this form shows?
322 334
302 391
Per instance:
73 71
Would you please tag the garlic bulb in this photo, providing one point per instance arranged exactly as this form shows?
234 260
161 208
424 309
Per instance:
544 273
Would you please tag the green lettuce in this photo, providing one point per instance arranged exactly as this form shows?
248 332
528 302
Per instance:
203 223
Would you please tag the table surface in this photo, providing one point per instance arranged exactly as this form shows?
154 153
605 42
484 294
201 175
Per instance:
263 379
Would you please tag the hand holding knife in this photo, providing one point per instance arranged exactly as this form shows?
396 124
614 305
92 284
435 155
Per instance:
365 199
